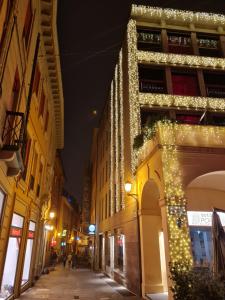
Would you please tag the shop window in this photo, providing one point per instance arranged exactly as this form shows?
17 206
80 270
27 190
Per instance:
119 251
28 253
2 199
28 23
37 78
12 254
201 242
185 83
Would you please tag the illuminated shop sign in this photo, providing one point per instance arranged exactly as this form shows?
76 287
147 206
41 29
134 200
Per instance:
203 218
15 232
30 235
91 229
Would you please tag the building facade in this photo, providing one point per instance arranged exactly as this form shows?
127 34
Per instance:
31 129
163 131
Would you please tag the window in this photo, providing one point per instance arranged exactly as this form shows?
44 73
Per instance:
46 120
37 78
149 40
26 157
215 84
185 83
28 253
9 273
151 80
42 104
208 45
119 251
28 23
179 42
15 91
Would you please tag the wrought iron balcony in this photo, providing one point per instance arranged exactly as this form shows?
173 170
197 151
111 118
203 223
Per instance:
150 86
12 136
12 141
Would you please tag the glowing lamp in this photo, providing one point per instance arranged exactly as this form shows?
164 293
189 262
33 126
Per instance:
128 187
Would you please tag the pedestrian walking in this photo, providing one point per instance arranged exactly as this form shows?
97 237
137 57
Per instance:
64 259
74 260
69 260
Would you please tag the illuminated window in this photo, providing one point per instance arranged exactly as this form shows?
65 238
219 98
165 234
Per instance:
12 254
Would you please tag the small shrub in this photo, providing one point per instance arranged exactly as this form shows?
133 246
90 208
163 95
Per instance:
196 284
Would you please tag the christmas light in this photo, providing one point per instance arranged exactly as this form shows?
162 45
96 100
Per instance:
180 59
177 16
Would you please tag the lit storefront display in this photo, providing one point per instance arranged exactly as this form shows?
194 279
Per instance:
28 253
12 255
119 252
200 224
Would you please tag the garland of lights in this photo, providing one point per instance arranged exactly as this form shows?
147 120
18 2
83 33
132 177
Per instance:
148 99
116 128
121 129
179 239
133 87
111 151
180 59
177 16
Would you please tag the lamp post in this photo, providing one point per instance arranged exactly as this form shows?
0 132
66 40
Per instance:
128 188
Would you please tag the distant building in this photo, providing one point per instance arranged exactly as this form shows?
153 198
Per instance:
31 129
86 202
162 131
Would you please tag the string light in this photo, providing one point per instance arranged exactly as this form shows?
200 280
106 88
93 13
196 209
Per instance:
148 99
177 16
116 129
112 150
120 70
180 59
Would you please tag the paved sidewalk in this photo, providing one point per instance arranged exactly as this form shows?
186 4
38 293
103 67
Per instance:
80 284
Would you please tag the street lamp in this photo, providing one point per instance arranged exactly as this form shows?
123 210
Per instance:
128 188
52 215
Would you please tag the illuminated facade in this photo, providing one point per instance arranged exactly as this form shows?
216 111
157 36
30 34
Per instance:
31 129
166 118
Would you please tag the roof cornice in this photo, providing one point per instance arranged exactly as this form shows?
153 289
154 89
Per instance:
48 16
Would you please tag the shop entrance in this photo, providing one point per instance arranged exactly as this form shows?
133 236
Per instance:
154 274
203 193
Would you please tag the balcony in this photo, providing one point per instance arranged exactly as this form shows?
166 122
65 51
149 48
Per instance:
12 140
184 135
152 86
149 40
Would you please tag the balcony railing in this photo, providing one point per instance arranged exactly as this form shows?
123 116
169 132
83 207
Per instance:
216 92
12 136
148 86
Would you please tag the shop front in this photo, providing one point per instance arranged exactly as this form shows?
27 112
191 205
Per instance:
28 253
200 226
12 256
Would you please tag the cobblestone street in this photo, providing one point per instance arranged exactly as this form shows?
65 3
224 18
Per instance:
80 284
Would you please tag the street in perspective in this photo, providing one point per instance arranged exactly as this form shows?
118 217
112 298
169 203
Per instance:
112 150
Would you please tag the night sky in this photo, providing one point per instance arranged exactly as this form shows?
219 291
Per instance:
90 36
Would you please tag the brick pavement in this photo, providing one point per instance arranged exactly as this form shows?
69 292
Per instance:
80 284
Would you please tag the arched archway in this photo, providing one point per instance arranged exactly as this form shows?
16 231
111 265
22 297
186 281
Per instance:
203 193
154 277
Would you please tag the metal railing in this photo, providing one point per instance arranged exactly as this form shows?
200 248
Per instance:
12 136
